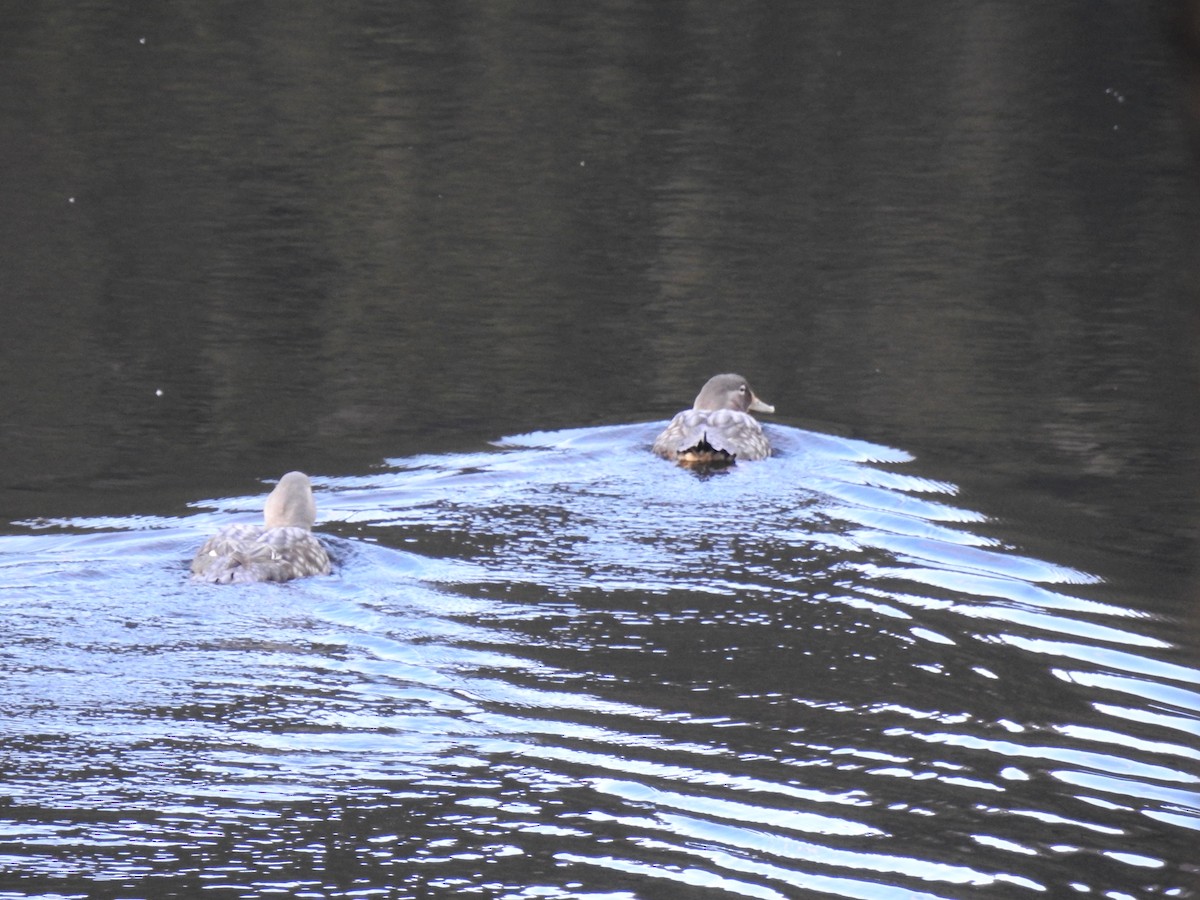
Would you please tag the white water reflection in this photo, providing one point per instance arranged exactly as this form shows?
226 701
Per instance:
726 681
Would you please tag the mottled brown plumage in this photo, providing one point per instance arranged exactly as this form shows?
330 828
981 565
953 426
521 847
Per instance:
281 549
718 429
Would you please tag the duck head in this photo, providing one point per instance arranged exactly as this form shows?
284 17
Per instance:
730 391
291 504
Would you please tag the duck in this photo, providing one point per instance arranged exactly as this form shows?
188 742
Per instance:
281 549
718 430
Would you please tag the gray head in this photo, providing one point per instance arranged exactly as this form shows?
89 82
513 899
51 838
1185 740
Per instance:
291 503
730 391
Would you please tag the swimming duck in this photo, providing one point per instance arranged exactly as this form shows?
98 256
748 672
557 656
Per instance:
280 550
718 429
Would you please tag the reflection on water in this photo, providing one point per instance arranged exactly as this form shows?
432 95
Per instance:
241 240
564 668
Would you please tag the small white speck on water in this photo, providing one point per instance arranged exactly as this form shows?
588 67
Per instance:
141 40
70 199
158 392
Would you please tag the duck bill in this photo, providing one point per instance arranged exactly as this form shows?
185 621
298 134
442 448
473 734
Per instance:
757 405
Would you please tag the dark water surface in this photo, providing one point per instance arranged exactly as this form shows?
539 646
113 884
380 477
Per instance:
945 643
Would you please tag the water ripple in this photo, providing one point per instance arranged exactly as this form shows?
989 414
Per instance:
568 669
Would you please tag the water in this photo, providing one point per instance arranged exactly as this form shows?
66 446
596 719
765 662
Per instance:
593 673
460 264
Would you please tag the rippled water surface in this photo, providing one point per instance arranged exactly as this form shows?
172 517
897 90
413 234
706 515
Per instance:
563 667
944 643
